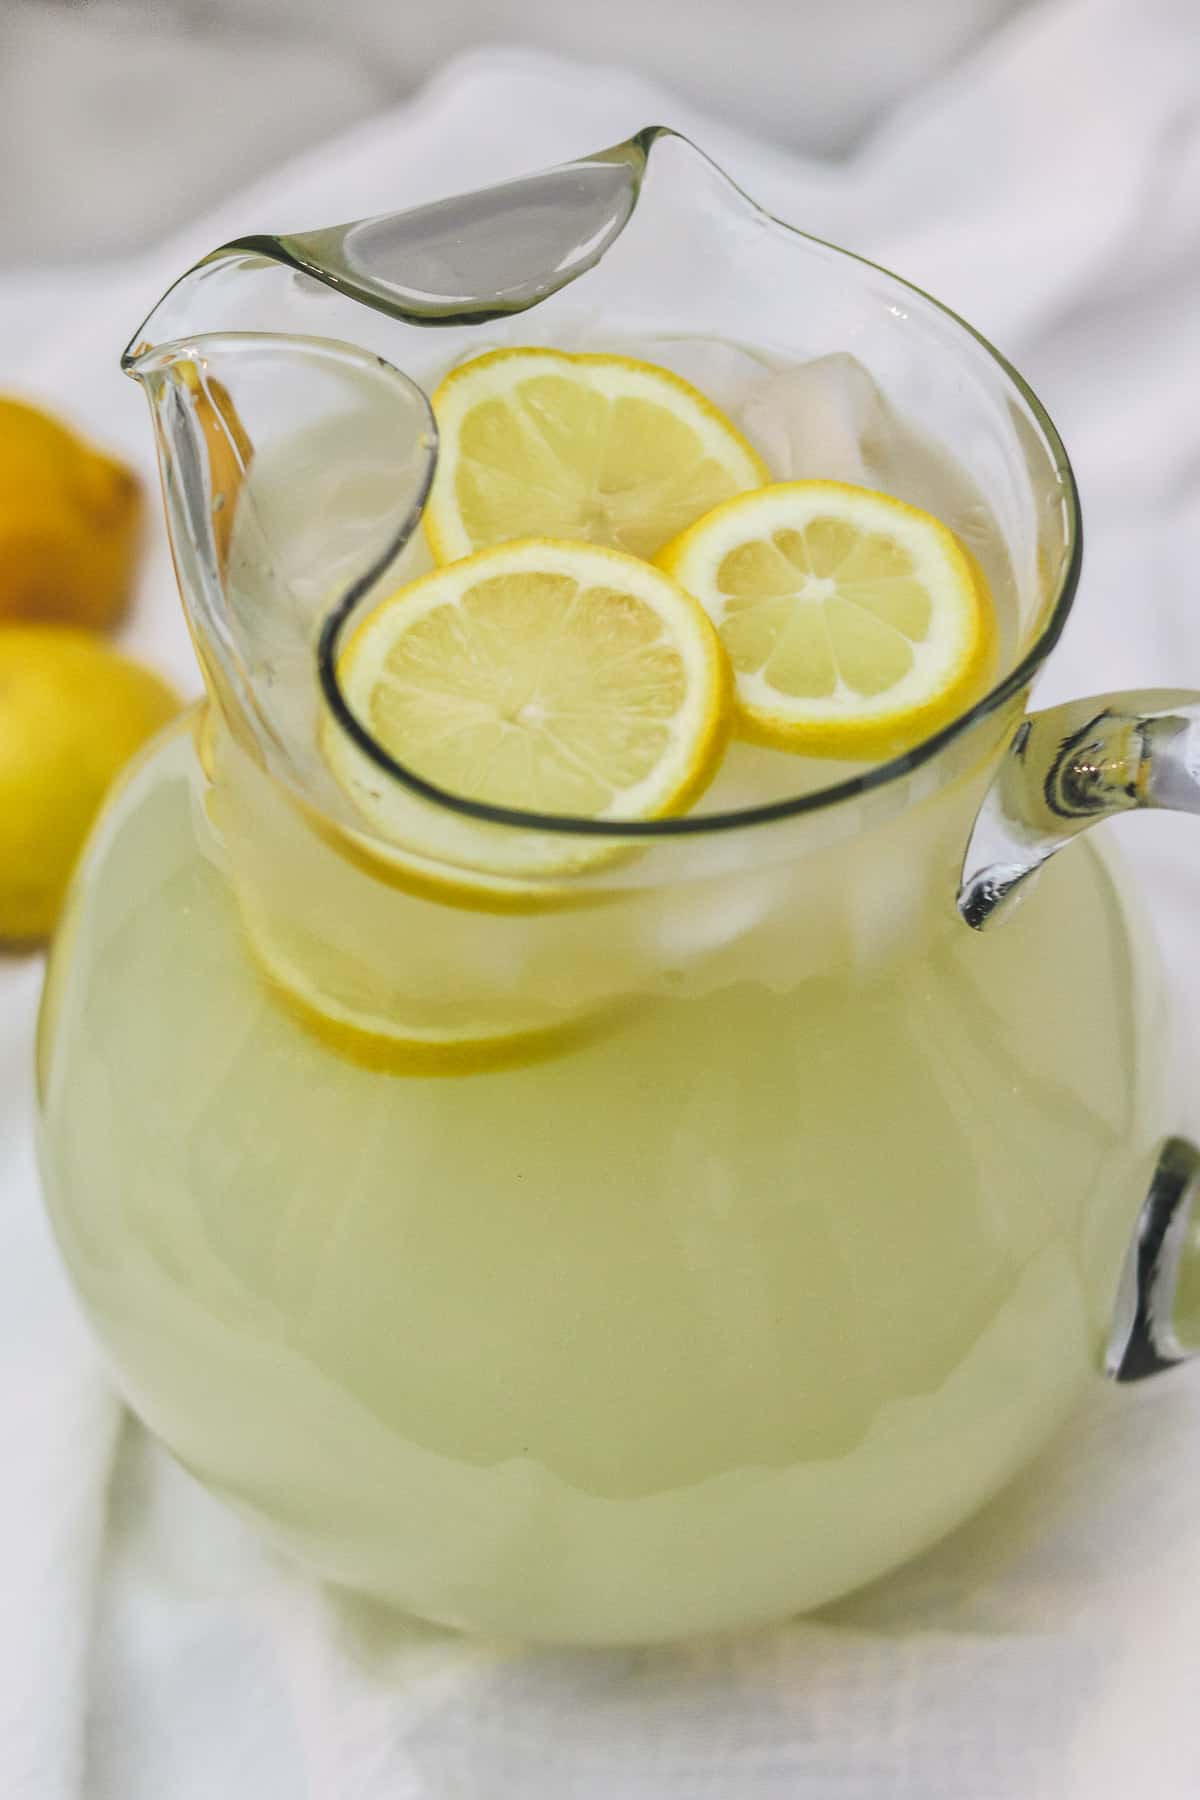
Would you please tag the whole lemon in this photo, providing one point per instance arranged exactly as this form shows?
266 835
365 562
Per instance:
69 523
72 711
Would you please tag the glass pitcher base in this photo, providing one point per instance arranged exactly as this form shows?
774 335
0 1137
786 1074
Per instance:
698 1325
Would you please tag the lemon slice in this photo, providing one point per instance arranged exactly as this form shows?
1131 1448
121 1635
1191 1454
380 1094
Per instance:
856 624
543 677
456 885
600 449
342 1007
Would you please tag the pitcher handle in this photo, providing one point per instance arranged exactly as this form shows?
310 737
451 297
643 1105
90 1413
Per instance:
1156 1322
1065 770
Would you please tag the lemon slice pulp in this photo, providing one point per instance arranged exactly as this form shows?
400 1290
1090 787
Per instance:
599 449
856 624
546 677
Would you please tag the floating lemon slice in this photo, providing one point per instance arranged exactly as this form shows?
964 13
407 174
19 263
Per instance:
856 625
600 449
544 677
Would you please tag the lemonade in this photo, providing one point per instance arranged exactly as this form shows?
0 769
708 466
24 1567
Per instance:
611 1249
606 1346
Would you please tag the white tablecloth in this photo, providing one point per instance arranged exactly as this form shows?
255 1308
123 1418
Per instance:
149 1647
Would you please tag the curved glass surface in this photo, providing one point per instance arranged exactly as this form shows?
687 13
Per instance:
646 244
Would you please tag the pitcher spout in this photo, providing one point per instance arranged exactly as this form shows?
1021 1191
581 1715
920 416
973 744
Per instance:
294 472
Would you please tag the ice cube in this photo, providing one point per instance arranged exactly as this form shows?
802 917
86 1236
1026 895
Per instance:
828 420
818 421
723 372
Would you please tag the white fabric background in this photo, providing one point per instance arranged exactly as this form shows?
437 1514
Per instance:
1049 188
119 118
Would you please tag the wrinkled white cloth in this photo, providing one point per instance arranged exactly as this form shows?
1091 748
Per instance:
1049 189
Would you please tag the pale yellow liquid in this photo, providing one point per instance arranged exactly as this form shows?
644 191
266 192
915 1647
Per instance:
700 1321
703 1322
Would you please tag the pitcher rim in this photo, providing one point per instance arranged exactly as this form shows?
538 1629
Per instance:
636 149
880 775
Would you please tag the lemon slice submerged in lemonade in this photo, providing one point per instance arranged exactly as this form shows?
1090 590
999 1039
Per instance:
600 449
345 1004
856 624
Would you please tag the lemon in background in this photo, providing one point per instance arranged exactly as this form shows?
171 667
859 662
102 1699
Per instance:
70 518
72 713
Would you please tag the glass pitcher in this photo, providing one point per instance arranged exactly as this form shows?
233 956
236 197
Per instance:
683 1240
